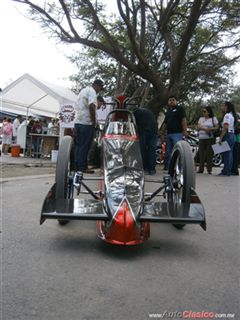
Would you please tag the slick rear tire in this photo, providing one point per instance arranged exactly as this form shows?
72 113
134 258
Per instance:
62 170
182 172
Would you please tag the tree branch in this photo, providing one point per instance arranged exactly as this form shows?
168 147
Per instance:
131 33
44 13
68 19
143 26
176 64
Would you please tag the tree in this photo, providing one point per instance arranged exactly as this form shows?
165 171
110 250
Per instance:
164 43
92 64
235 98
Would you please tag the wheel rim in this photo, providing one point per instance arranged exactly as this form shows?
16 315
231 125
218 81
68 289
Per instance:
178 180
217 160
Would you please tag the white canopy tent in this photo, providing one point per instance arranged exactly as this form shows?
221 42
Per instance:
29 96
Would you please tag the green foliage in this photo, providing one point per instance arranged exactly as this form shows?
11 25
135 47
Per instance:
178 47
93 64
235 97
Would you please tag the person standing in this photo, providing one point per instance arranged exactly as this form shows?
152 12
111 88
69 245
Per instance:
16 124
94 159
228 135
7 130
1 132
29 146
175 124
50 125
206 124
236 148
85 123
36 140
147 130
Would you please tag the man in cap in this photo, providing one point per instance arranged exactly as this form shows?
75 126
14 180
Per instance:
85 123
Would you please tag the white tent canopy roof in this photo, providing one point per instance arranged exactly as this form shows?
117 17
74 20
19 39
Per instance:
29 95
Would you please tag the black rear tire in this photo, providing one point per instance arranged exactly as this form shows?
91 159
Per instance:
63 171
182 172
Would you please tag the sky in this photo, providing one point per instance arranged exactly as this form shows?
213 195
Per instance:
26 49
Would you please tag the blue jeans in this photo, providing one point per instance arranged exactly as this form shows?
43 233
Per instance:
236 157
83 140
36 143
148 146
171 140
228 155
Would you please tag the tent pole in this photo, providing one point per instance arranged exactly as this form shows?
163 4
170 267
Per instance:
25 149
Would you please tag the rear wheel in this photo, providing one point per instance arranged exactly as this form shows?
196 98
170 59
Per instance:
181 170
63 185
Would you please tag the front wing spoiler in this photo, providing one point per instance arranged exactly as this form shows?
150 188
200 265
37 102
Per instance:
174 213
71 209
91 209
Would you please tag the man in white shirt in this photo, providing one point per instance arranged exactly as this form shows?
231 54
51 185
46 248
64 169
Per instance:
85 123
16 124
228 134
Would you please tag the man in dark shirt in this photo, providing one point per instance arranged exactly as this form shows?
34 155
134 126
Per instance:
147 130
176 126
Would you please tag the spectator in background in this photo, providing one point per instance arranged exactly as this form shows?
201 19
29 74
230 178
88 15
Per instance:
7 131
228 134
53 127
94 152
85 123
50 125
175 124
44 126
4 120
1 125
36 140
30 118
206 124
16 124
147 130
236 148
30 123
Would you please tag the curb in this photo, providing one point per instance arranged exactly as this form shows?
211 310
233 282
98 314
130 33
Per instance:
4 180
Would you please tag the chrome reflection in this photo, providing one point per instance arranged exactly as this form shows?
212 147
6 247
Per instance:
178 180
123 173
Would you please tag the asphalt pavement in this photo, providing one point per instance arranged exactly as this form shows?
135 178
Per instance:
51 272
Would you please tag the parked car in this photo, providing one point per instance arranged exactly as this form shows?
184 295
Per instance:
193 141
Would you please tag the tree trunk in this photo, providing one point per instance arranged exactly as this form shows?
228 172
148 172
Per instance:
158 102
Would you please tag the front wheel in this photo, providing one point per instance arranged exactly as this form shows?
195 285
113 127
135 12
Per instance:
182 172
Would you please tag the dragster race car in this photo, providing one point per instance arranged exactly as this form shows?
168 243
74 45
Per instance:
122 209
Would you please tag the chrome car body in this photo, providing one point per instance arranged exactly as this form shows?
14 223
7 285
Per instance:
121 207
